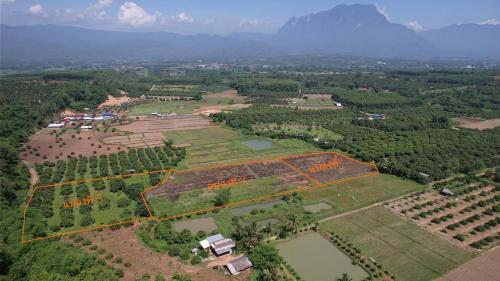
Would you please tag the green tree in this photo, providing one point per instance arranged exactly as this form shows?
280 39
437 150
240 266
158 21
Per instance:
265 257
159 277
222 197
345 277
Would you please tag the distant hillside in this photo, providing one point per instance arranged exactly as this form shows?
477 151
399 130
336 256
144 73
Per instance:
467 40
357 30
352 30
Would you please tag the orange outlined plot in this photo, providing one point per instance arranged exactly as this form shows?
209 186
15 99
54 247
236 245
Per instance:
295 171
288 167
87 202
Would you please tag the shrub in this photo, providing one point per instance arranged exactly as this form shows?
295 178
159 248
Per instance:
195 260
184 255
174 251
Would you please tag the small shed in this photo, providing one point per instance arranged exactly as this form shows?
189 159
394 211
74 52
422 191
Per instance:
447 192
88 128
238 265
56 125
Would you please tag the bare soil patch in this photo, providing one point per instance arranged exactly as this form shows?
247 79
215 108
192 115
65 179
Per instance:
483 268
320 167
209 109
124 243
226 94
170 123
196 179
476 123
137 140
46 147
452 217
115 101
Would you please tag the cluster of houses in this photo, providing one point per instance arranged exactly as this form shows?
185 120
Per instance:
219 246
82 117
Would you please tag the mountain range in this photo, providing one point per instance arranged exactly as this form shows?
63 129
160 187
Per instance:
357 30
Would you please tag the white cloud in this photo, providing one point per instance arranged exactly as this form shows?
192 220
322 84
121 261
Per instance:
415 25
382 10
36 9
134 15
249 23
491 22
183 17
209 21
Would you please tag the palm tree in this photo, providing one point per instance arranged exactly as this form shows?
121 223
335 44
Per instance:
250 237
268 229
344 277
237 228
293 224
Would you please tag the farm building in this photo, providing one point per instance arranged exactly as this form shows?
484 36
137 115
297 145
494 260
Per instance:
205 244
88 128
238 265
56 125
218 244
224 246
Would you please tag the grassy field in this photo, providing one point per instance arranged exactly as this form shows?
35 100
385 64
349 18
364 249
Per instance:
183 107
359 193
316 259
406 250
202 198
221 144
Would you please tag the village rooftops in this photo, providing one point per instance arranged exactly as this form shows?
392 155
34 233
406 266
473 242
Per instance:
205 244
223 246
238 265
56 125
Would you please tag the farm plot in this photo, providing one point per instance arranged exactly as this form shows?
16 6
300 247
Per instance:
192 191
221 144
469 218
137 140
404 249
330 167
60 209
170 123
48 146
316 259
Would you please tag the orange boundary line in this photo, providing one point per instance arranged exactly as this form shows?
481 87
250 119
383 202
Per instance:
279 158
80 181
231 204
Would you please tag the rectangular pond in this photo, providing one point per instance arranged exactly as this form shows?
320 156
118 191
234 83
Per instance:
316 259
258 144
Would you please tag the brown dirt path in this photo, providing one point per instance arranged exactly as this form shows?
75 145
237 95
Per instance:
33 174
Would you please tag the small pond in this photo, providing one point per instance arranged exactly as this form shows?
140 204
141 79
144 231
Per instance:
258 144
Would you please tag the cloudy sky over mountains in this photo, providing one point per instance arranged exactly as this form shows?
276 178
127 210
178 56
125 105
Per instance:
226 16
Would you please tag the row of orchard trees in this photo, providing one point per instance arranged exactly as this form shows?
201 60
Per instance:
135 160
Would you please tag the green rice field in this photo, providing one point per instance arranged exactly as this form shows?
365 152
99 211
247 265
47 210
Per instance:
316 259
223 144
407 251
358 193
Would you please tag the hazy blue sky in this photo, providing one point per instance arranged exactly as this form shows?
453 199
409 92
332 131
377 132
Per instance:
226 16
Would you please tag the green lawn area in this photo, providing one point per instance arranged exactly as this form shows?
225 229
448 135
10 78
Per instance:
403 248
359 193
223 144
